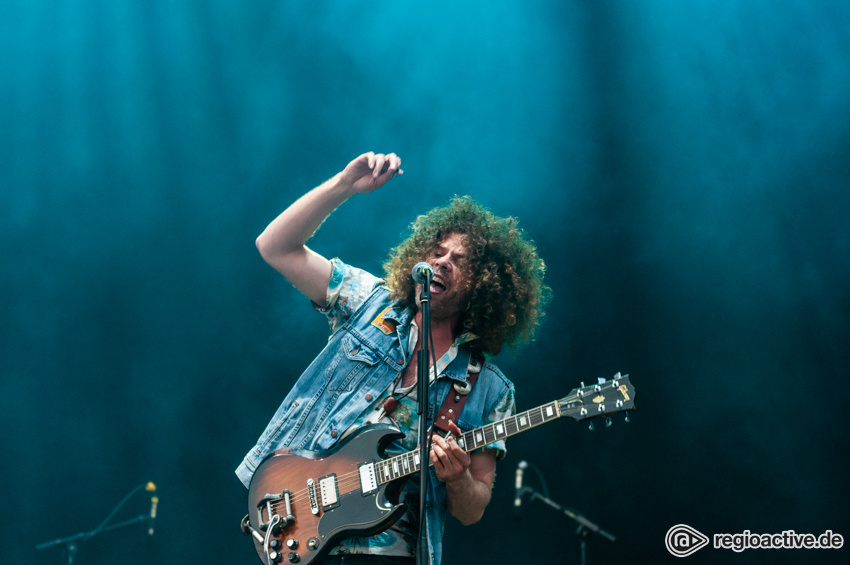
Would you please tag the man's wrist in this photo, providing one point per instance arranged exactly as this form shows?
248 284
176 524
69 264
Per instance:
342 186
460 479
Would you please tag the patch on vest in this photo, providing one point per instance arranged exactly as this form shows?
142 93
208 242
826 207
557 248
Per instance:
386 326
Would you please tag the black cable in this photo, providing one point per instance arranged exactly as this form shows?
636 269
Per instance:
541 477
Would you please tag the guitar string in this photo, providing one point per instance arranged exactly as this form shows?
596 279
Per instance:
352 479
535 416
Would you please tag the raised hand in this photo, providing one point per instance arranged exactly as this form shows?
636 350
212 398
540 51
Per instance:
371 171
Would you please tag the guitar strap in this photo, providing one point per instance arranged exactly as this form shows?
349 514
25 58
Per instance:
455 399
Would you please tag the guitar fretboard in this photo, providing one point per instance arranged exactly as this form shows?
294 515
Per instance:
408 463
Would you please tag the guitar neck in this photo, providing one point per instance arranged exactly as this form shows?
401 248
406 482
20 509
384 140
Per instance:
408 463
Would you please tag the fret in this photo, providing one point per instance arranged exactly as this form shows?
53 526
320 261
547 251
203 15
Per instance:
478 438
467 440
484 441
500 430
536 416
388 469
511 425
523 422
489 434
408 463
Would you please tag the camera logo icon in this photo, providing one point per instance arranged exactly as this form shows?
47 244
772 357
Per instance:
682 540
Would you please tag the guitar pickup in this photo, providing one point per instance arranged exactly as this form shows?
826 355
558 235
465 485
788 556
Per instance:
329 492
368 481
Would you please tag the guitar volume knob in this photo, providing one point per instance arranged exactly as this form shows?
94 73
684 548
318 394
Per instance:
292 543
294 558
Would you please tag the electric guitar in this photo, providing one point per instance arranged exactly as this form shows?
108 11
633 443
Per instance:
300 503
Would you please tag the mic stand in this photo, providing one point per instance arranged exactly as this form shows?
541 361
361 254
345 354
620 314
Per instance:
71 542
584 525
423 378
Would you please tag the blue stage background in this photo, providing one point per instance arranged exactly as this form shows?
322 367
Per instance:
683 167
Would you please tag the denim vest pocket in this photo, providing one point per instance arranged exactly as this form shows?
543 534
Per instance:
349 365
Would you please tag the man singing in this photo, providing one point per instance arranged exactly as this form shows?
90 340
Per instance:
487 291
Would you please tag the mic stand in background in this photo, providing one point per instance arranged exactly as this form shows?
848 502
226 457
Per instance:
72 543
423 378
585 526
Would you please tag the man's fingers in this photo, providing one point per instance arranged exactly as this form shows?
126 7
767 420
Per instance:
438 454
395 164
380 161
461 456
449 453
381 164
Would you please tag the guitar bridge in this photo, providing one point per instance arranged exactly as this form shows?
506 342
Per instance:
311 494
268 504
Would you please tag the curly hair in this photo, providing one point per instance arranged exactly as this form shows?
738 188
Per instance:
506 296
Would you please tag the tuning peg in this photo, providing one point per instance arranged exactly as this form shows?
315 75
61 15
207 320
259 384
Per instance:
608 422
600 380
627 418
590 427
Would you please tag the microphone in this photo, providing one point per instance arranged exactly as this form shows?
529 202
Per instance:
150 487
422 272
518 491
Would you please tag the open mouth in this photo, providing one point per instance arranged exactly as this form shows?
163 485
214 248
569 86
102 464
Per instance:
437 286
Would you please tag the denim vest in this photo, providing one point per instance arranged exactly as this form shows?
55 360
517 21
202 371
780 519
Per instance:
362 358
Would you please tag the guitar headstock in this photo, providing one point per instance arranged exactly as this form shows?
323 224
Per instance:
607 397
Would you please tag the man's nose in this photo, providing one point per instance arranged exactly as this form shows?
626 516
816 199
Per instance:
442 262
